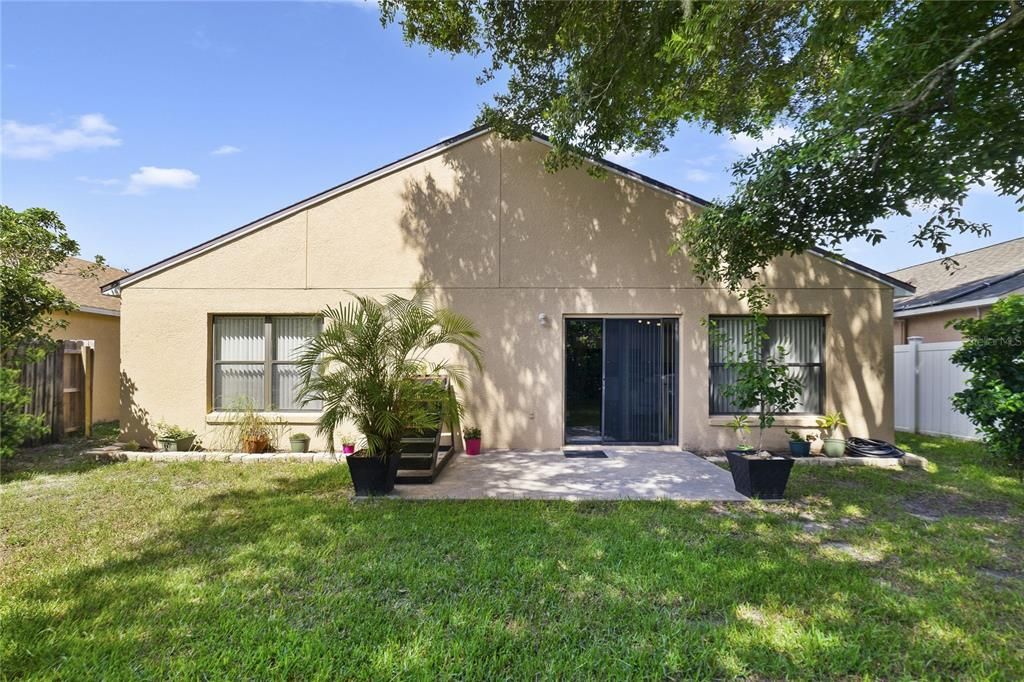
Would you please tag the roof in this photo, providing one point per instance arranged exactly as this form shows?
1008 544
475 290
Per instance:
981 276
113 288
84 291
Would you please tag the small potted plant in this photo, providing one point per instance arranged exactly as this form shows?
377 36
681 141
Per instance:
830 424
173 438
348 444
471 434
763 383
799 446
299 442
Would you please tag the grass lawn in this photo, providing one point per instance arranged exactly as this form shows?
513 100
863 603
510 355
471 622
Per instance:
254 571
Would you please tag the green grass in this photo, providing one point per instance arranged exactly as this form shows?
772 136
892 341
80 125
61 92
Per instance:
257 571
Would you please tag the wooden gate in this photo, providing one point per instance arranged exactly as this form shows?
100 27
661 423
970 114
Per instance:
61 386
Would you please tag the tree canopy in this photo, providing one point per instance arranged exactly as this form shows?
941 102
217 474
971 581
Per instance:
33 243
894 105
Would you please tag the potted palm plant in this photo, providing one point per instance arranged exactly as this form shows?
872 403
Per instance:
763 386
368 366
472 438
830 424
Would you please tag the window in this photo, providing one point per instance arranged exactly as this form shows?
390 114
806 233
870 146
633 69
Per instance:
254 358
802 337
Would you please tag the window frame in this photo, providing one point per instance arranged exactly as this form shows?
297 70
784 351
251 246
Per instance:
766 349
268 362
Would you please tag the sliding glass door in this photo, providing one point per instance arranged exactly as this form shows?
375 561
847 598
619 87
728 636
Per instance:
621 380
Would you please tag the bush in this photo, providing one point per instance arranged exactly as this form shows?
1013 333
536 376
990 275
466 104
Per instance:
15 425
993 352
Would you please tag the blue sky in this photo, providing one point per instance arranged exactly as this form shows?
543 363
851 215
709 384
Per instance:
151 127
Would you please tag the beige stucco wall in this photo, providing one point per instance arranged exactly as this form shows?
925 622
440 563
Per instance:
105 331
932 327
503 242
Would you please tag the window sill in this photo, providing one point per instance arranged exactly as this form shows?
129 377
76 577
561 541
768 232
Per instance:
286 417
806 421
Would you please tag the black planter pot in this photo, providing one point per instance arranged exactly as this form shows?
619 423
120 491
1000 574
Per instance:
372 475
762 478
799 448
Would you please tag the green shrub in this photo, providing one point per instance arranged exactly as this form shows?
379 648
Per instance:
993 352
15 425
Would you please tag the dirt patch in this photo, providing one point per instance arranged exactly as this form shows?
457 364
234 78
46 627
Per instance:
1002 576
865 556
936 507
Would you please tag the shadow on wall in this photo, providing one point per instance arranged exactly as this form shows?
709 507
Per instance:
497 220
135 424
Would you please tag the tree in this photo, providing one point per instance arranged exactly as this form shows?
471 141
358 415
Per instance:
32 243
892 104
370 366
993 354
763 381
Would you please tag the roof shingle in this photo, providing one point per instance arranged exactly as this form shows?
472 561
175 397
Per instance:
85 291
983 273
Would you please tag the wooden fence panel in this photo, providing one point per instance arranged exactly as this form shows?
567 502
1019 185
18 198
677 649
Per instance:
45 380
61 387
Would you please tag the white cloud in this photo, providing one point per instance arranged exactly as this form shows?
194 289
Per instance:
106 182
746 144
42 141
150 177
225 150
696 175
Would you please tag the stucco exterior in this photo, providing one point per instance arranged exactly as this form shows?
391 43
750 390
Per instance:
104 330
502 241
932 326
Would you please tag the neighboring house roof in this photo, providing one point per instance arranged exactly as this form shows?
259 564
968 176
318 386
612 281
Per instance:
980 277
113 288
85 291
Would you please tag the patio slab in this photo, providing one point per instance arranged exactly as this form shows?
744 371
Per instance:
637 473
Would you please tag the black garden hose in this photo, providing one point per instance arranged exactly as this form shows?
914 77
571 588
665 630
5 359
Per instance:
865 447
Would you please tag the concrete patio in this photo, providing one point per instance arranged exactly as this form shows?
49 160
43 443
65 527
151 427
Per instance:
635 473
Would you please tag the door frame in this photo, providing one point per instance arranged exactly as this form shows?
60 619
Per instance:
621 316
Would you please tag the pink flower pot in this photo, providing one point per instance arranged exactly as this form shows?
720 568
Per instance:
348 449
472 446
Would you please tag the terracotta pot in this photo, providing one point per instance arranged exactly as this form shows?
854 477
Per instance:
255 445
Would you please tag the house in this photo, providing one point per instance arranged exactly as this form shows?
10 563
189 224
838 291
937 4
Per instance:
980 278
97 319
591 331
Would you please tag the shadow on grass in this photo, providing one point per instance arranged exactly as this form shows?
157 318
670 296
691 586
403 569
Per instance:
64 457
286 577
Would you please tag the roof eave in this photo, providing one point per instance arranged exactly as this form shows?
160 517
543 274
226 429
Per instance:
114 288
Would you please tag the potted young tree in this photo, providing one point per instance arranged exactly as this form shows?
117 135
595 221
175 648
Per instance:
799 446
830 424
368 367
764 386
173 438
472 437
299 442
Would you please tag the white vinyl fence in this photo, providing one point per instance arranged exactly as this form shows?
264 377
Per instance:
925 381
